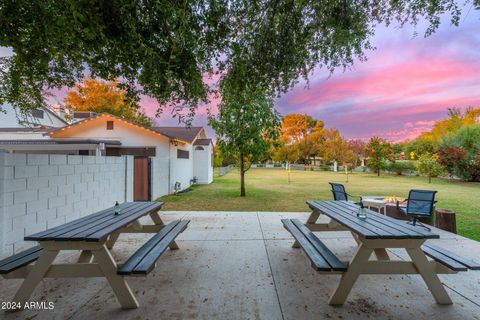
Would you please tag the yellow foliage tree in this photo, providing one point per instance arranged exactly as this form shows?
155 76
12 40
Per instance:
104 96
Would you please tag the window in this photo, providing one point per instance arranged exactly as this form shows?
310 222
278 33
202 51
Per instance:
109 125
199 148
37 113
183 154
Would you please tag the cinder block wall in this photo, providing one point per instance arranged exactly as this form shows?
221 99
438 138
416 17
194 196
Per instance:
38 192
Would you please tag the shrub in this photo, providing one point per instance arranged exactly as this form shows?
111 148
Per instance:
400 167
427 164
459 153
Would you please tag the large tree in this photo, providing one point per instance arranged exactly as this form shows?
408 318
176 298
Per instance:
104 96
246 126
378 151
302 131
164 48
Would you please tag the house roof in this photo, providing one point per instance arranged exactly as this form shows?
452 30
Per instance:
58 141
108 115
28 129
202 142
187 134
183 134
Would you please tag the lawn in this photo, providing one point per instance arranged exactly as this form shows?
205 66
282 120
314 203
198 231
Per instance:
269 190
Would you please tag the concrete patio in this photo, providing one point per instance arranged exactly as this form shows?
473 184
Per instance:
240 265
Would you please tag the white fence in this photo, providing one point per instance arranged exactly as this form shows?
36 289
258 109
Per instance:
42 191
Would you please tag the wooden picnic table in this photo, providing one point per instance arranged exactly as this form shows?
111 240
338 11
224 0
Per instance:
94 235
375 234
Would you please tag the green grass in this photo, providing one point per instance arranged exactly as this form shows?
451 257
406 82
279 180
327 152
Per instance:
269 190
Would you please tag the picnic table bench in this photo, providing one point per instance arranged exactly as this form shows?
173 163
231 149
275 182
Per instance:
94 236
374 234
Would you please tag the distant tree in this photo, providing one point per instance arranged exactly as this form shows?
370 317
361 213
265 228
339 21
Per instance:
246 126
335 148
357 146
421 145
105 96
468 140
452 158
298 129
428 165
378 151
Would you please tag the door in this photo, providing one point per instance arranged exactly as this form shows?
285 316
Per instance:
141 179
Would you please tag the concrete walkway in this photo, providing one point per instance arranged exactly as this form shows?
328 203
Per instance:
240 265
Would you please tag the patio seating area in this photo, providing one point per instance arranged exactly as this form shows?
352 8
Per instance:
243 264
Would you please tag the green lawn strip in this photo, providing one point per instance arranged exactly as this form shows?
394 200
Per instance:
269 190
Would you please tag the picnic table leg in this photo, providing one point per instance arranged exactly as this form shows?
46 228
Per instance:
120 287
381 254
159 222
427 271
351 275
112 239
85 256
311 219
40 268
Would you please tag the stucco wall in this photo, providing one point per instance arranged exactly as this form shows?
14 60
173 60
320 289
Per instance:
202 168
181 170
42 191
10 119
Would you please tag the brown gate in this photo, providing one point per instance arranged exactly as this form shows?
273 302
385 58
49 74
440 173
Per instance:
141 179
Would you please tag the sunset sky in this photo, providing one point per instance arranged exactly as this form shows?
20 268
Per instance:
407 83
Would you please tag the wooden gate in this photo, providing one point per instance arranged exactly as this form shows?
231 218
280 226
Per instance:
141 179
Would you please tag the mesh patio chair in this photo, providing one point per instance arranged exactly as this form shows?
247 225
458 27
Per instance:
339 193
420 203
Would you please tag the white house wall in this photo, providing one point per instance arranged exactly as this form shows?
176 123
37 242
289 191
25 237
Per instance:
9 119
203 168
181 170
129 135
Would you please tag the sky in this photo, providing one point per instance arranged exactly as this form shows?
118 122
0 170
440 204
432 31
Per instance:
406 84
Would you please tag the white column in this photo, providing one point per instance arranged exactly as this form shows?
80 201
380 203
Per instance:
335 166
363 162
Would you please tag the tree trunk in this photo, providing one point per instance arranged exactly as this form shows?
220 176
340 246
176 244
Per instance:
242 176
378 172
429 179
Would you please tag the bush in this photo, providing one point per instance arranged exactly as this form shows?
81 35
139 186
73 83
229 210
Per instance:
429 166
400 167
459 153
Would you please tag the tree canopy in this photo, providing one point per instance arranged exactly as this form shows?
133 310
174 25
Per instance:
246 126
165 49
104 96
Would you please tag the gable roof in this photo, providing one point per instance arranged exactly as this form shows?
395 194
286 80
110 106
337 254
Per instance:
187 134
183 134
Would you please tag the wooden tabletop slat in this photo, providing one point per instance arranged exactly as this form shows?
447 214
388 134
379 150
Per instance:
79 223
107 228
353 223
397 224
98 225
379 223
375 226
101 222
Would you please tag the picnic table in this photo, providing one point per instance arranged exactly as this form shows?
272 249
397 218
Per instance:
93 236
375 234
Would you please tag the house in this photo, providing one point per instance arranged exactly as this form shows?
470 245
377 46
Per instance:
166 159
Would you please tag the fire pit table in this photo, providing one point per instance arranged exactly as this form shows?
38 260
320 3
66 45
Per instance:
380 202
